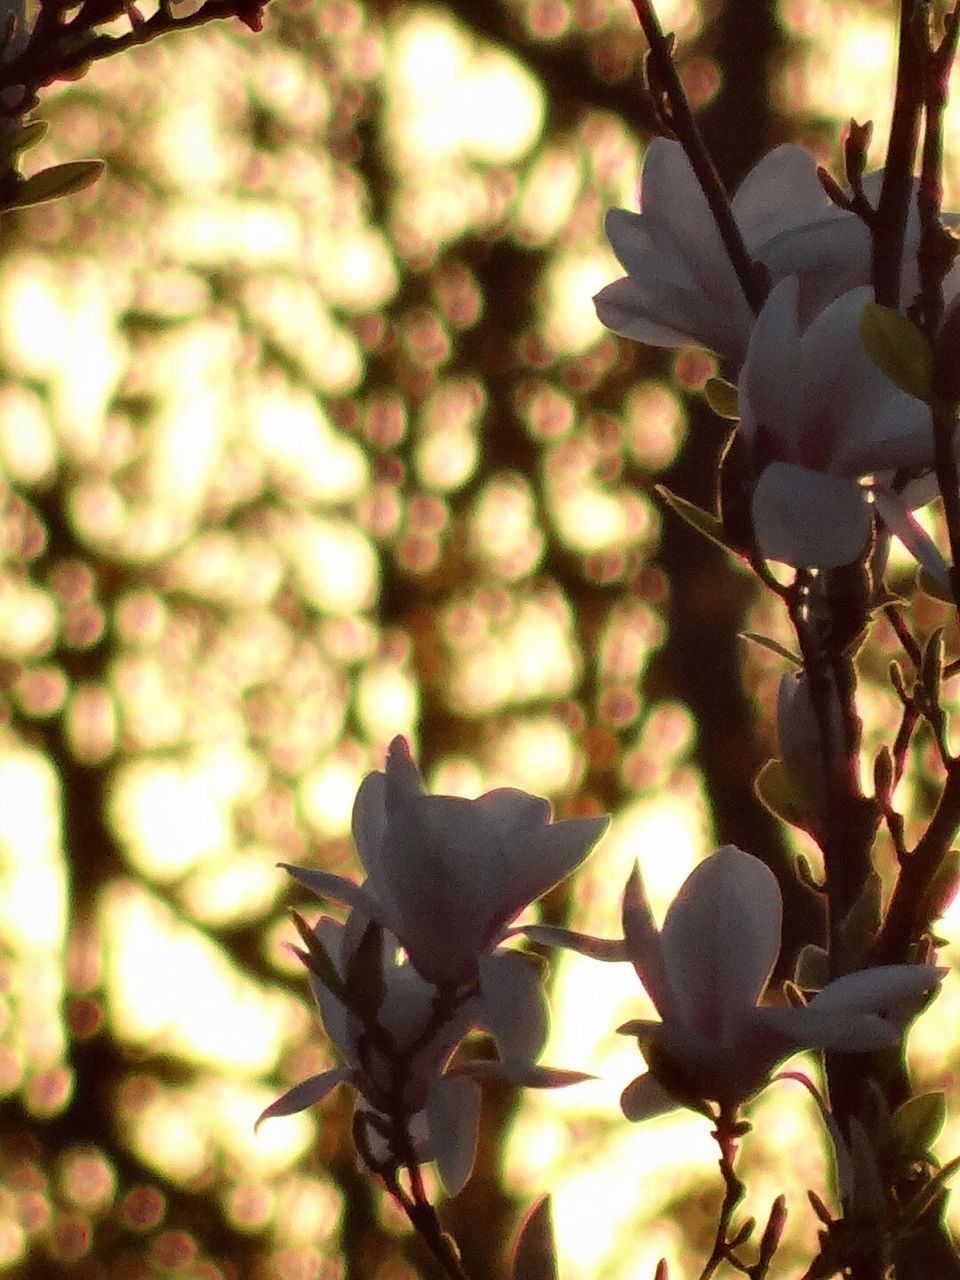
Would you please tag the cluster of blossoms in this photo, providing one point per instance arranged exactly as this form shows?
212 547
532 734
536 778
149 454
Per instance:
833 442
445 878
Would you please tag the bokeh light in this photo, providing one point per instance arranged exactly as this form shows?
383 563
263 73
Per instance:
310 436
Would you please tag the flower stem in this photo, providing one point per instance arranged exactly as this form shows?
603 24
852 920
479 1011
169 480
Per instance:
685 126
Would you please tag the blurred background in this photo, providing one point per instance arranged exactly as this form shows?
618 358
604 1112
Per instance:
309 436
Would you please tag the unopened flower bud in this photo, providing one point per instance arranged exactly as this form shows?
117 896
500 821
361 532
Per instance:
799 733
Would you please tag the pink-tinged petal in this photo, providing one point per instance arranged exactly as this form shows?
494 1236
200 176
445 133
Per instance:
453 1112
672 196
644 1098
304 1095
335 888
781 192
657 313
828 1029
643 246
721 938
537 860
808 519
645 946
901 522
770 370
877 990
370 824
529 1075
515 1006
437 853
552 935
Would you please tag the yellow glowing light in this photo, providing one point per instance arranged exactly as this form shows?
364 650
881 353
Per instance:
551 187
570 322
503 528
172 816
241 887
328 791
452 95
529 654
537 754
33 888
28 620
292 312
846 65
356 269
174 990
305 456
388 701
27 444
336 566
655 420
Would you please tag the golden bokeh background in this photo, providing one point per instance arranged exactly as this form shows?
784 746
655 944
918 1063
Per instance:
309 436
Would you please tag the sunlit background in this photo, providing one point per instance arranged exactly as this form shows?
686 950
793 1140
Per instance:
309 436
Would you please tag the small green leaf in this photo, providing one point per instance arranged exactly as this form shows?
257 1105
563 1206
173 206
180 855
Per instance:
812 971
917 1124
931 666
859 926
940 890
765 642
51 184
703 521
22 138
898 349
534 1254
775 787
722 398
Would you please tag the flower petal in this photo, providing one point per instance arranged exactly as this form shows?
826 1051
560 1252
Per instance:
515 1005
644 945
453 1112
644 1098
304 1095
808 519
554 935
896 515
721 938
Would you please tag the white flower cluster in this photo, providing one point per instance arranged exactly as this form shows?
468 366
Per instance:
445 878
832 440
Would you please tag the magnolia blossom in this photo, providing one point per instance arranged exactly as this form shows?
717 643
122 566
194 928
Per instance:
680 286
395 1042
829 433
706 972
447 875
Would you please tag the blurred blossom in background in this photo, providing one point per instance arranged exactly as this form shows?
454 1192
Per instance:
309 436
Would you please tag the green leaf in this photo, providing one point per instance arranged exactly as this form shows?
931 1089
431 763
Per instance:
765 642
534 1254
722 398
703 521
931 666
778 790
941 889
898 349
917 1124
812 971
859 926
22 138
51 184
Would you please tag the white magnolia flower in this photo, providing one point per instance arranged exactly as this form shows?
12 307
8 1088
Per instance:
680 286
829 431
448 875
706 972
396 1056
